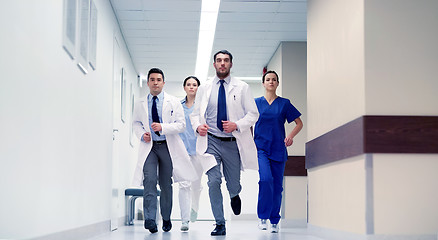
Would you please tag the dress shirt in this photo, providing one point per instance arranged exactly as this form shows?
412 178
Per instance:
211 113
159 101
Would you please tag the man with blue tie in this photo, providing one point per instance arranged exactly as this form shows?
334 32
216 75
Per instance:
223 114
157 121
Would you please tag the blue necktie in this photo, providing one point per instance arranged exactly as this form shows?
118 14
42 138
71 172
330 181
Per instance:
155 117
221 106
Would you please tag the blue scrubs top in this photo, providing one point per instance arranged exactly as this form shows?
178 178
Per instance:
188 136
269 132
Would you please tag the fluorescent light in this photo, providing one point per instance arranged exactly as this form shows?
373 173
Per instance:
207 29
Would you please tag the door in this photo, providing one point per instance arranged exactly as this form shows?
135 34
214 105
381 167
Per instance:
115 206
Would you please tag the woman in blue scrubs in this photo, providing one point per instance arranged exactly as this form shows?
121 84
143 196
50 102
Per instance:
271 142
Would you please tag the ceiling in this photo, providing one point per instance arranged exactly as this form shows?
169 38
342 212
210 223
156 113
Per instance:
164 33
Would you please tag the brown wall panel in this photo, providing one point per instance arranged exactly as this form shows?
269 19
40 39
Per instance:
340 143
401 134
295 166
375 134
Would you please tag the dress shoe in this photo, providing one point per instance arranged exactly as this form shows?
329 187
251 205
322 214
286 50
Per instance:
150 225
219 230
236 204
167 225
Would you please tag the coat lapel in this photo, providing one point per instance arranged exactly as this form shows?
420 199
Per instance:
164 113
233 84
146 108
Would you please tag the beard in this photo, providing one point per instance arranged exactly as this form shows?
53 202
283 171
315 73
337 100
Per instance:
223 75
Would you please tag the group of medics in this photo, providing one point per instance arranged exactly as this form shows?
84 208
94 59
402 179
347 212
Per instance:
210 132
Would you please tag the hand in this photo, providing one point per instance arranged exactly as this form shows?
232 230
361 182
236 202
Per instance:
229 126
147 137
288 141
202 129
156 126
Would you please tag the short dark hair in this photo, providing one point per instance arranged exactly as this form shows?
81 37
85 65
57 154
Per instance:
155 70
187 78
223 52
270 71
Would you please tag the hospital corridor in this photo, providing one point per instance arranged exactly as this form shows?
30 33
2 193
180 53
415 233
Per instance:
136 119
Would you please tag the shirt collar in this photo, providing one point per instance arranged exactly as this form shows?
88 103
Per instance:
159 96
227 79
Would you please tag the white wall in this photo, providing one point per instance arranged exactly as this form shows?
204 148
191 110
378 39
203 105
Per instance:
294 80
410 190
372 58
276 64
401 57
295 197
335 48
289 61
56 123
337 195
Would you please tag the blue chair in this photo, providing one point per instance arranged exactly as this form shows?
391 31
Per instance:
131 194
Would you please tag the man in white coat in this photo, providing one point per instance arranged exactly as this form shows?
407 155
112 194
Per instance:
157 121
223 114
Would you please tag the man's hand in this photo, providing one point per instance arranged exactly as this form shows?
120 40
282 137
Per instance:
202 129
156 126
147 137
229 126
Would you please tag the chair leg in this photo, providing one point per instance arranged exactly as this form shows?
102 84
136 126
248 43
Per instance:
132 210
127 210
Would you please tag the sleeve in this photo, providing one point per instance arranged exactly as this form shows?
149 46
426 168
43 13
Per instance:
137 123
195 117
291 113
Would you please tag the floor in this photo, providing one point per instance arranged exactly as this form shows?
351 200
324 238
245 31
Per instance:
236 230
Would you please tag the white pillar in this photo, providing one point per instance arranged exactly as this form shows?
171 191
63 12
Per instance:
372 57
289 61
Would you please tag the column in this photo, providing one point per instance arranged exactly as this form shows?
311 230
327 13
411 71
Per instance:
289 61
372 135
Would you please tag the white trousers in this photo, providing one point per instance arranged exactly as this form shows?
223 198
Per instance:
190 192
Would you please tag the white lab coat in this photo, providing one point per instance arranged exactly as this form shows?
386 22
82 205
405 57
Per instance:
241 109
173 123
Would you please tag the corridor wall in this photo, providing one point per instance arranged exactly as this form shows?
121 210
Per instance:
372 68
56 121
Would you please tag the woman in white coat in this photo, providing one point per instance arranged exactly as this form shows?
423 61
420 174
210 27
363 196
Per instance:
189 192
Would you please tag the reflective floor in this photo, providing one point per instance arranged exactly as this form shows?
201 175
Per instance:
236 230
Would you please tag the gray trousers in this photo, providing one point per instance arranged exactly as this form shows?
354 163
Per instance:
159 157
227 155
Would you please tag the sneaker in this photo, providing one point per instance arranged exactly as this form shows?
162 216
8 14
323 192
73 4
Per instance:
193 215
262 224
185 226
274 228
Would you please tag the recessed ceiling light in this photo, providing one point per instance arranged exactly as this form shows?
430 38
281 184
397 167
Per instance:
207 29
